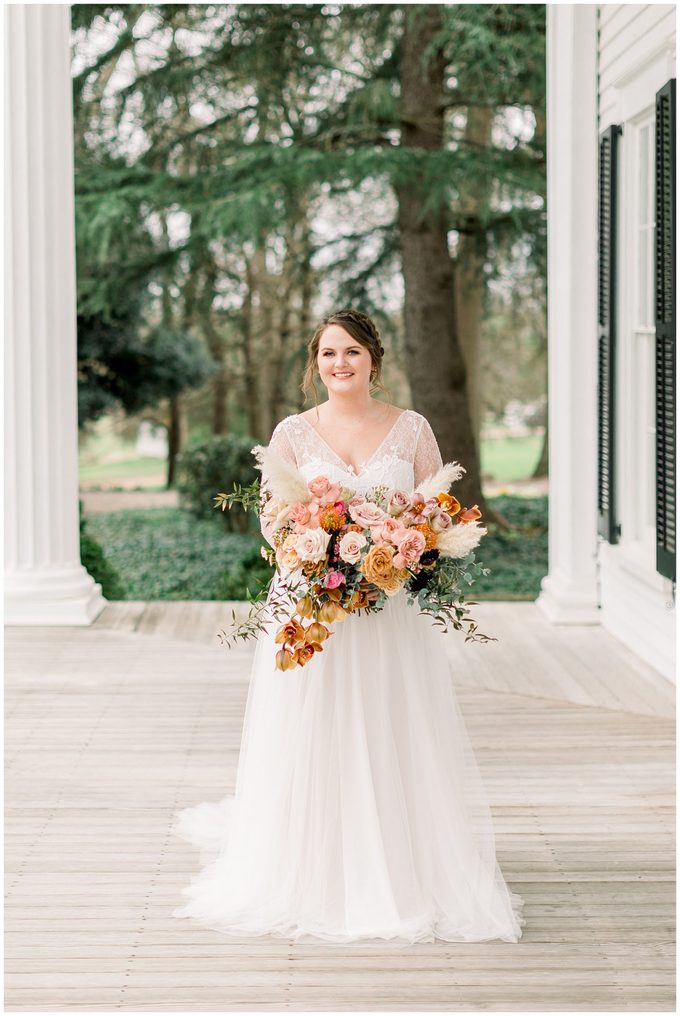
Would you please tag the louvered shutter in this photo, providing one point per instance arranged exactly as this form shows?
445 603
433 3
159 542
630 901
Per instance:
665 329
607 525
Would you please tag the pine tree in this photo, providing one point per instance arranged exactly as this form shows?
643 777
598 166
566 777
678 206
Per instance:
257 119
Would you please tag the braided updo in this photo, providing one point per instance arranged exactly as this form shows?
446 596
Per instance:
362 329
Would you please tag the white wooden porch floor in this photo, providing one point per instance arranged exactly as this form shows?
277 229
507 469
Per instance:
109 728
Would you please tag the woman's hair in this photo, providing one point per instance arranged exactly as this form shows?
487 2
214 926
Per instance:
362 329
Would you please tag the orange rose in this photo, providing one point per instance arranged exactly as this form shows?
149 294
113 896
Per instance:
395 581
312 568
378 567
378 563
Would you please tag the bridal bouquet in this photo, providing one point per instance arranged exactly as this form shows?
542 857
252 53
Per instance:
338 553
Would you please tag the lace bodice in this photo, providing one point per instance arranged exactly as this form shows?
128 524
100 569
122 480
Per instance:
406 455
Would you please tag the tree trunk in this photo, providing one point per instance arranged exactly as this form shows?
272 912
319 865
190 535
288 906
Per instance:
250 348
435 363
215 341
542 466
470 258
174 438
275 313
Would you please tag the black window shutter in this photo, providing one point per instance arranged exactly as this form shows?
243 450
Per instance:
665 329
607 525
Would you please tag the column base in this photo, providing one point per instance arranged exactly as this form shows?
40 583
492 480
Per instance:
52 596
564 601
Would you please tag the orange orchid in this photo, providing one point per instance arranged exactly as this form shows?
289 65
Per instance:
317 632
305 607
470 514
449 503
291 631
285 660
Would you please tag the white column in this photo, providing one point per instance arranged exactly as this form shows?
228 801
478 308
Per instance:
45 583
569 591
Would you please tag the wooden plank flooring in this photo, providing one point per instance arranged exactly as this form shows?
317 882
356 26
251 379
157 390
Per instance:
111 727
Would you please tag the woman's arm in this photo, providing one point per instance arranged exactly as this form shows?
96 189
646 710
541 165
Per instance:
427 458
280 443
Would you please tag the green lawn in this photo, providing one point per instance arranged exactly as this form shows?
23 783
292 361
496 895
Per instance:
166 554
503 459
511 458
123 469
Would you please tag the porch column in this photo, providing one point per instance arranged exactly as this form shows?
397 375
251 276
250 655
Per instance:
45 582
569 591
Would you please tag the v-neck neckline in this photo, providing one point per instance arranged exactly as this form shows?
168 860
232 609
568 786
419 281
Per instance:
367 462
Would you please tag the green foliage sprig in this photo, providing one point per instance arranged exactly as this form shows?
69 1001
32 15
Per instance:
248 496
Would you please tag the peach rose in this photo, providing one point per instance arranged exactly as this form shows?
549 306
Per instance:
286 553
299 513
390 531
314 516
412 546
333 493
429 534
312 545
367 514
318 485
350 547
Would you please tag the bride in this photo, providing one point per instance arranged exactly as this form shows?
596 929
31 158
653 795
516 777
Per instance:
359 812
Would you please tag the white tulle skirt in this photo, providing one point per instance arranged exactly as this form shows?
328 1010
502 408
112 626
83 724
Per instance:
359 811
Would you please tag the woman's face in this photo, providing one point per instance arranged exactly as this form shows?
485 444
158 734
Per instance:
344 364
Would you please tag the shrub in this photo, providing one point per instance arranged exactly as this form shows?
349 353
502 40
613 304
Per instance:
97 565
250 573
166 554
215 465
518 559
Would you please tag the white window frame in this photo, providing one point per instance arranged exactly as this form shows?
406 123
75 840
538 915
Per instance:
635 107
636 341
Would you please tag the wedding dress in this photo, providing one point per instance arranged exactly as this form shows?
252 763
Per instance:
359 812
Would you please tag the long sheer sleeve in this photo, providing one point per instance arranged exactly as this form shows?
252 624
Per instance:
428 458
281 443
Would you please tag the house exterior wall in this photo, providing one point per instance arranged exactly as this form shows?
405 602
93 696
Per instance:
635 57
